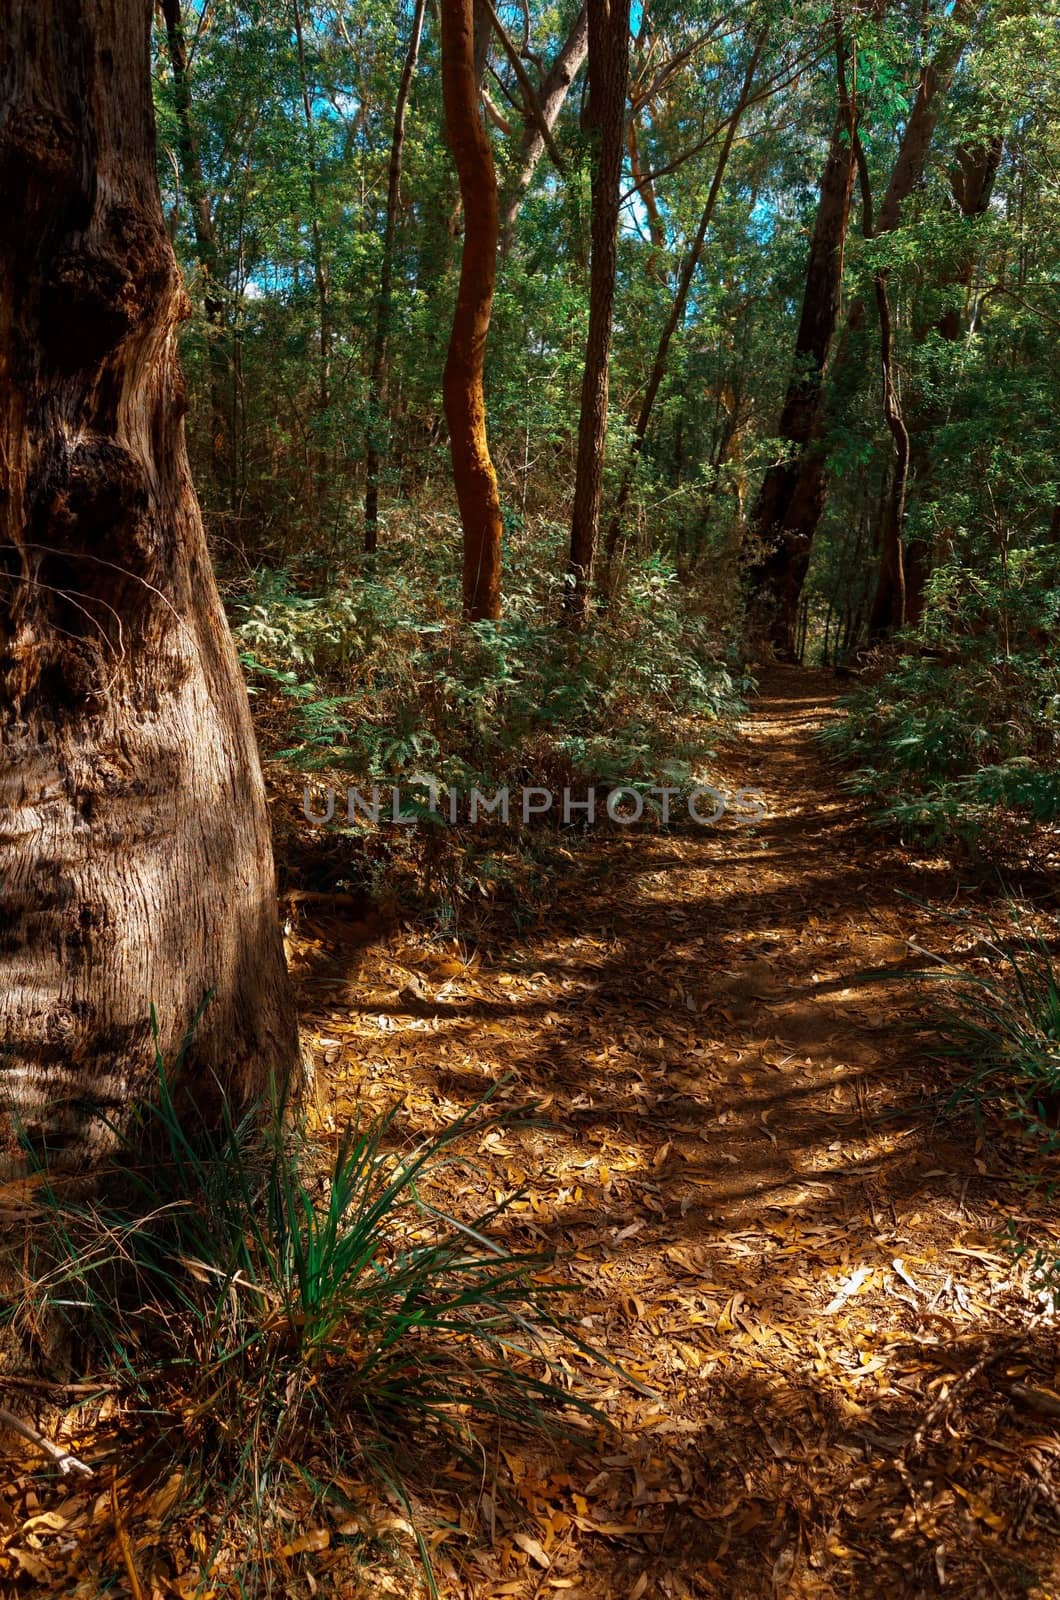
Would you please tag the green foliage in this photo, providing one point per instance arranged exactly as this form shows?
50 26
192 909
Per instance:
275 1320
642 692
1004 1025
963 732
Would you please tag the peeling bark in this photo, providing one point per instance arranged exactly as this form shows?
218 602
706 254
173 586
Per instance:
135 859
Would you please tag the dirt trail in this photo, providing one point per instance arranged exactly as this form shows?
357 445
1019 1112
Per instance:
745 1166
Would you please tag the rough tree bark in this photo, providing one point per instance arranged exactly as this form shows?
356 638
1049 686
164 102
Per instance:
680 300
377 386
776 582
605 120
135 858
462 385
550 98
793 490
206 253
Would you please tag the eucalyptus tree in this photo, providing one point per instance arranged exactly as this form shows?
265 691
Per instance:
135 857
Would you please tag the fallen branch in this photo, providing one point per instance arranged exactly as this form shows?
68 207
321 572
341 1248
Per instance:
63 1459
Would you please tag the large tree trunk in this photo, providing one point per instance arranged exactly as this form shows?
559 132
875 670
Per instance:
207 256
462 386
792 495
550 98
135 860
608 80
680 301
377 386
777 584
793 498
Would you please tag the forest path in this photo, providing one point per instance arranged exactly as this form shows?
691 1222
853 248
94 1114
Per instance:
743 1162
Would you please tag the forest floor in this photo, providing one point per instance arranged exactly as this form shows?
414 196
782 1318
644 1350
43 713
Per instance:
743 1158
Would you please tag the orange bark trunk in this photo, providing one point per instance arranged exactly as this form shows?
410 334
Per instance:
463 393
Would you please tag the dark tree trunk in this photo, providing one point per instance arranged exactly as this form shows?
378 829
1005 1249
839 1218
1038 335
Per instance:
462 385
206 254
377 385
792 496
606 112
680 301
972 181
972 178
906 175
135 860
777 583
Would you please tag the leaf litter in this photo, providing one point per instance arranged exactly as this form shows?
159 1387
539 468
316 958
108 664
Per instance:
843 1384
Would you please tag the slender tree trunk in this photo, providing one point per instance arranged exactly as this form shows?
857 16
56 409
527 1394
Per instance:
207 255
971 181
792 495
135 860
550 97
680 301
462 386
608 80
888 610
318 463
377 385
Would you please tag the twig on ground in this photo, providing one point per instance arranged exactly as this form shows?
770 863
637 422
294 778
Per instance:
62 1458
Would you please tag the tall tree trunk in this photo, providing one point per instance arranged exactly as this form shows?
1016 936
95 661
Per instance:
888 610
680 301
972 176
377 385
462 385
135 861
971 180
792 495
318 464
550 98
608 80
206 254
906 175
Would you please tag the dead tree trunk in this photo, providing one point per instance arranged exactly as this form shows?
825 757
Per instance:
462 385
206 254
377 385
135 859
608 80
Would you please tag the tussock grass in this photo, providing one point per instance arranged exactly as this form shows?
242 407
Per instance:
267 1322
